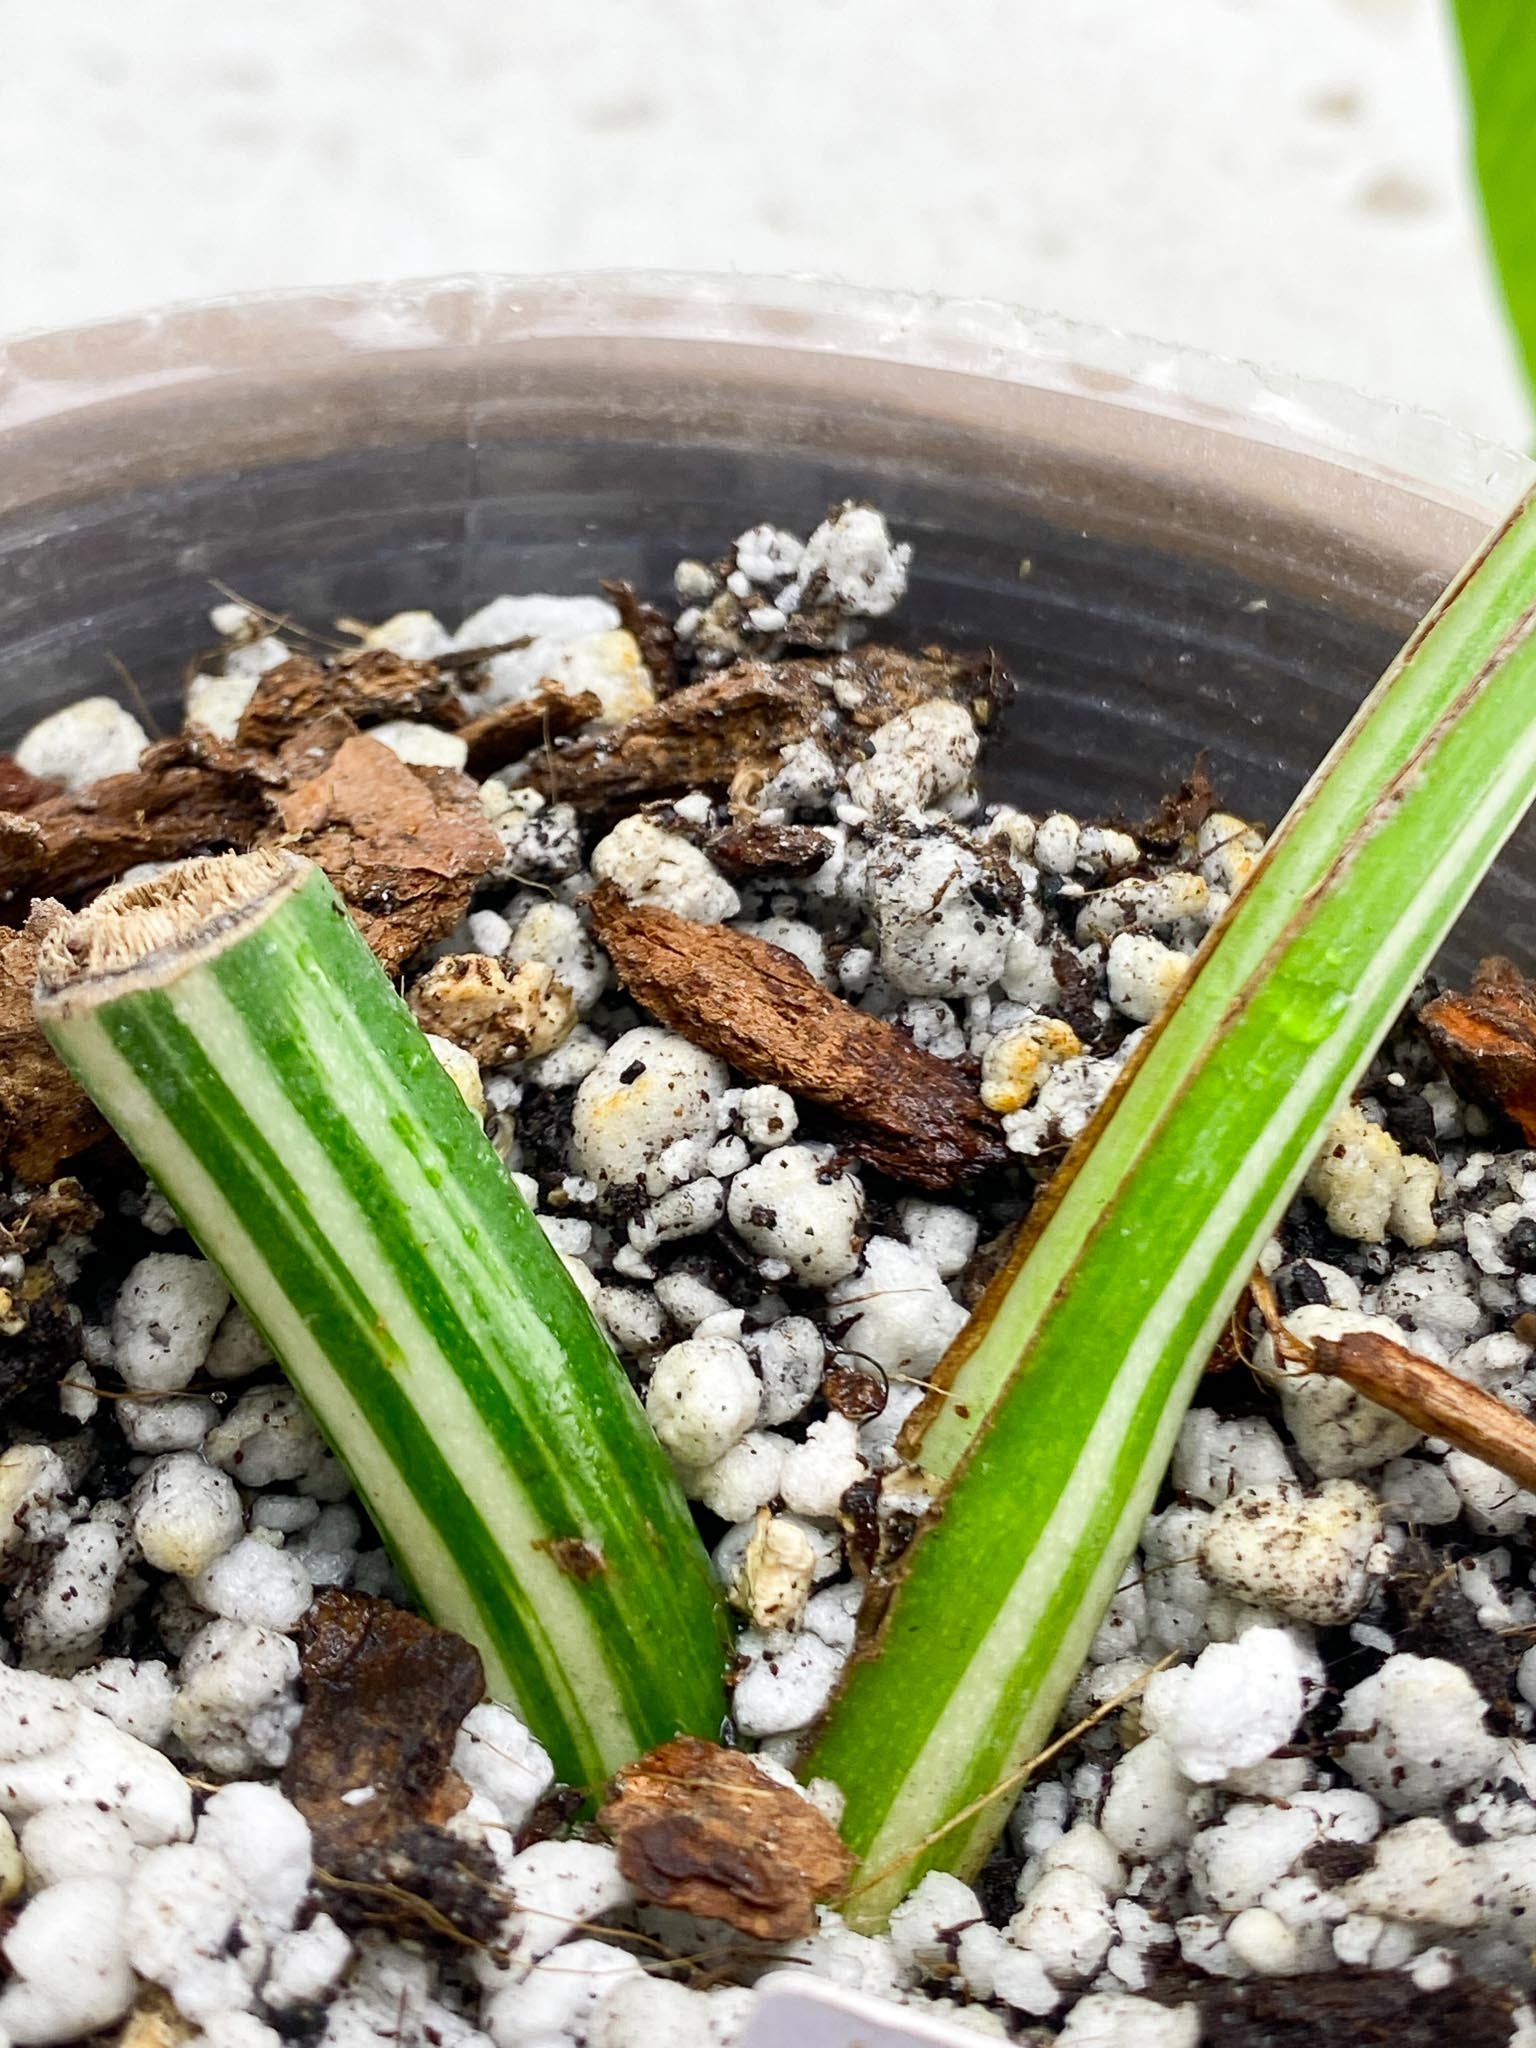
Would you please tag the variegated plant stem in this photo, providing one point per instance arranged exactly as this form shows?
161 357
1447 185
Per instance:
1056 1421
240 1036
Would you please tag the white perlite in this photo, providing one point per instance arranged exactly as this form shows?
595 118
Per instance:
1418 1733
647 1114
1312 1556
185 1513
648 864
1233 1707
702 1399
793 1205
164 1321
83 742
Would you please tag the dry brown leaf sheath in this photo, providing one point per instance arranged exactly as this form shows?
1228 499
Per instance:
702 1829
912 1115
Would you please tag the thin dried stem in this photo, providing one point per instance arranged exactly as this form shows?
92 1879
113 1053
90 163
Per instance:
1430 1396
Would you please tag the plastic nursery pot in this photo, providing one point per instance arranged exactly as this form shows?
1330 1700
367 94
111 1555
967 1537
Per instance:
1171 553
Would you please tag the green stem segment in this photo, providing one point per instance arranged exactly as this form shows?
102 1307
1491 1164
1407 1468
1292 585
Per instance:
1060 1418
234 1027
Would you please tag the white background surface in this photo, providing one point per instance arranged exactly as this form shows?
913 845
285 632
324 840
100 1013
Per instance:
1280 180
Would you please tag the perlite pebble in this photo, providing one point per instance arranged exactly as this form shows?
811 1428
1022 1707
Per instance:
1416 1733
306 1964
783 1688
895 1311
61 1615
648 864
86 740
916 757
1218 1455
647 1114
929 899
164 1320
1152 903
237 1703
54 1750
76 1839
1234 1706
643 2012
790 1356
185 1513
943 1235
269 1436
1066 1922
702 1399
818 1472
1336 1430
1313 1556
744 1480
553 935
1143 975
1368 1186
497 1757
422 745
1422 1875
135 1697
1115 2019
263 1836
556 1887
71 1970
254 1582
237 1350
1235 1863
794 1205
554 2002
991 1967
182 1926
936 1908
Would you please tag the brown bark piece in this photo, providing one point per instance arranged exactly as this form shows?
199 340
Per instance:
728 734
702 1829
915 1117
190 794
652 632
512 731
45 1116
19 791
1486 1040
404 846
384 1693
368 687
745 850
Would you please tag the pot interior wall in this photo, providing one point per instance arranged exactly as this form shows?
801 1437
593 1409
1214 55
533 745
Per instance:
1148 612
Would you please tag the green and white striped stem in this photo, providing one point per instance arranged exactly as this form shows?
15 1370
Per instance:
236 1030
1057 1417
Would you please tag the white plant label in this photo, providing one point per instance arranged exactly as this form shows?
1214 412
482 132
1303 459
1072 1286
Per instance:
796 2011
